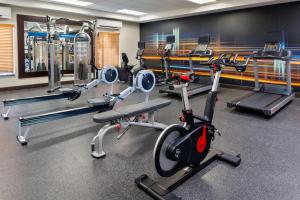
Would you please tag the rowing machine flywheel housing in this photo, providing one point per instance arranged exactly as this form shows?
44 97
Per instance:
145 81
109 74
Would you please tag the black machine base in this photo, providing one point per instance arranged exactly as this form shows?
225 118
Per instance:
162 190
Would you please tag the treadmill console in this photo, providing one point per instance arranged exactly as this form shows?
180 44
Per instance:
169 45
202 47
273 51
272 47
141 49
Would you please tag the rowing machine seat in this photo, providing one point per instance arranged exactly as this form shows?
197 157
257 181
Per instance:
67 90
131 110
97 102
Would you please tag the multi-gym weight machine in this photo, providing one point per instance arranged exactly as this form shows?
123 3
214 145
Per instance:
143 81
53 63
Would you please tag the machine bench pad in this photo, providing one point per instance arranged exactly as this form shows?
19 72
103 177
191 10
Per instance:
132 110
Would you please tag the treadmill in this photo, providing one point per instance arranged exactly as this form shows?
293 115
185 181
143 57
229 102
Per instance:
268 99
165 52
196 86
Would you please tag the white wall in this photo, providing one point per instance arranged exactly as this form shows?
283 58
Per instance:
129 36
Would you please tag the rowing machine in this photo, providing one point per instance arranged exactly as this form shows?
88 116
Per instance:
64 93
141 78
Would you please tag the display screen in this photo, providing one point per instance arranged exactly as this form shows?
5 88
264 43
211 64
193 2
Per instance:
141 45
204 39
170 39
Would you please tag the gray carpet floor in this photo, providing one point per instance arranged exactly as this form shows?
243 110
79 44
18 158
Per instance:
56 163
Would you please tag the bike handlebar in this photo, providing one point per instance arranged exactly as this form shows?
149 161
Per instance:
231 60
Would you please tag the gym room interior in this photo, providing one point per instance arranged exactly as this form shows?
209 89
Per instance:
149 99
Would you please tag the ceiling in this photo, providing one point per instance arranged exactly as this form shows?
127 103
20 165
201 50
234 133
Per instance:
155 9
147 6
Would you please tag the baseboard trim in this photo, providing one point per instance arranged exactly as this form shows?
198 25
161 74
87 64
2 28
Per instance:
20 87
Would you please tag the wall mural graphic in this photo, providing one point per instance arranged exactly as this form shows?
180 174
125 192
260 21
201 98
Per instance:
242 32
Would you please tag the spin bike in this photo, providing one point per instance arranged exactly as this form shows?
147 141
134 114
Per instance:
183 150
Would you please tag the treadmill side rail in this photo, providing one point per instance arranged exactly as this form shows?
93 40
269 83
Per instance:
267 104
276 106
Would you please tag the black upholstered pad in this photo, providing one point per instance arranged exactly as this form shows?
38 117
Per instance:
108 116
132 110
144 107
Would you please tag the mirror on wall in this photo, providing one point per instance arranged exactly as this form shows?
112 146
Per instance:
33 46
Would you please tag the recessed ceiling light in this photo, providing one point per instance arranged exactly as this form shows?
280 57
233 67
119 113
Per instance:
131 12
74 2
202 1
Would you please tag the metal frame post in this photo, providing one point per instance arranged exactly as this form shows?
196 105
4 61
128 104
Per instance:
289 77
256 76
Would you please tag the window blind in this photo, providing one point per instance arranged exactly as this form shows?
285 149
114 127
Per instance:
107 49
6 48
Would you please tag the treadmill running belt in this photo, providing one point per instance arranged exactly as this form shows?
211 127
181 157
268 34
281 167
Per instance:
259 101
193 86
193 89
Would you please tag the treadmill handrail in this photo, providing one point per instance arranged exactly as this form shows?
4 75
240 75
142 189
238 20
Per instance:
268 55
207 53
270 58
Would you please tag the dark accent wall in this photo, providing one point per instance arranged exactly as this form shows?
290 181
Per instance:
240 31
241 27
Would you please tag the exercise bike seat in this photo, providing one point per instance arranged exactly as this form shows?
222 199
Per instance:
97 102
